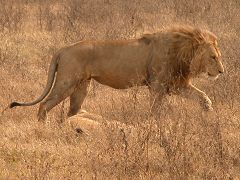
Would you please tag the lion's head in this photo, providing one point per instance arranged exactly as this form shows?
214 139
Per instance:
196 51
209 60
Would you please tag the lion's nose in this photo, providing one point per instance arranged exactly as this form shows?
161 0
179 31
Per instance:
221 71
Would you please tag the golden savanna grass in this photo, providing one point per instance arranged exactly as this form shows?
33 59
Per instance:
185 143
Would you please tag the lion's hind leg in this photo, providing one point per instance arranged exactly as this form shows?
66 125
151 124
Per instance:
59 92
77 97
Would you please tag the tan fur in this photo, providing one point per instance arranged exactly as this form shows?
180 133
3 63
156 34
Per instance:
164 61
96 126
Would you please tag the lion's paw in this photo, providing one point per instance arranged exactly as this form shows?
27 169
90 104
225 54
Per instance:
208 107
207 104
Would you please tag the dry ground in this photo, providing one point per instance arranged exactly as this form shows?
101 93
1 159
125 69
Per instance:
185 144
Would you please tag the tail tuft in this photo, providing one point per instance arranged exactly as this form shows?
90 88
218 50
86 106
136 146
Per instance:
13 104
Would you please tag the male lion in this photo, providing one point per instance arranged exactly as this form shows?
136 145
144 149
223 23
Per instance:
164 61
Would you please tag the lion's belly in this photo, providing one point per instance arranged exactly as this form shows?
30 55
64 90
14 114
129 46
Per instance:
119 81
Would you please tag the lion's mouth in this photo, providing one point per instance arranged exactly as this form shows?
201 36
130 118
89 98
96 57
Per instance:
211 76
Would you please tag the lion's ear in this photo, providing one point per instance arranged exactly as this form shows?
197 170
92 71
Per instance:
147 38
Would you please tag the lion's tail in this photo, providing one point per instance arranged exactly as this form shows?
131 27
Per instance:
51 77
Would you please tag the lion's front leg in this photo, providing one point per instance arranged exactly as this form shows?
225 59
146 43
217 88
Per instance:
155 103
191 92
157 94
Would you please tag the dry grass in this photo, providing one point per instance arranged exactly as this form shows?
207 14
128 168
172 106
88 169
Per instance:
185 143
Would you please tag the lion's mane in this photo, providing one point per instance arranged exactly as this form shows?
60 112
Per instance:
186 45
